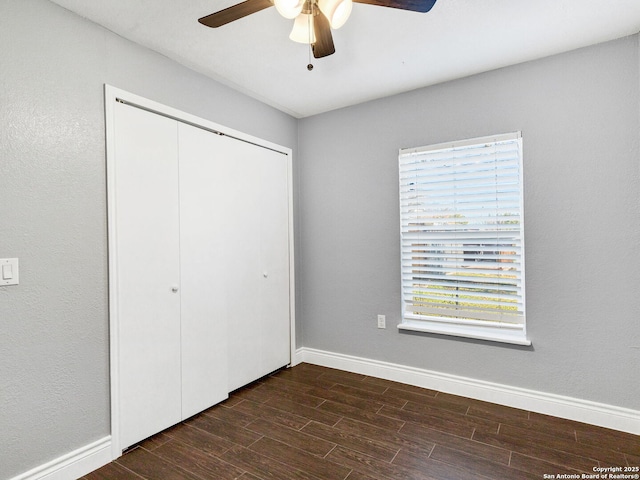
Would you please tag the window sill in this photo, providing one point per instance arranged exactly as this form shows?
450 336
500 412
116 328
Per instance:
515 336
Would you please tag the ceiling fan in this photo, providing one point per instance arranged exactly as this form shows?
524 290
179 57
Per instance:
314 19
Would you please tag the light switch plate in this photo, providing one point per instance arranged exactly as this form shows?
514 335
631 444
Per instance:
9 274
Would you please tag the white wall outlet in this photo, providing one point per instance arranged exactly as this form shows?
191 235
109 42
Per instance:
382 321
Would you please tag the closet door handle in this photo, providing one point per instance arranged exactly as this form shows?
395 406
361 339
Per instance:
265 274
174 288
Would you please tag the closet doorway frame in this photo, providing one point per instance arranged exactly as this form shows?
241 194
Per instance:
111 96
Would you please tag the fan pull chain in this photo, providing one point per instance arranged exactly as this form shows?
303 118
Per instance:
309 65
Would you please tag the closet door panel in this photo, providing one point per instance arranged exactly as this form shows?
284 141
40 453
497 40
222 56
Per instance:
204 251
245 272
259 323
147 229
274 254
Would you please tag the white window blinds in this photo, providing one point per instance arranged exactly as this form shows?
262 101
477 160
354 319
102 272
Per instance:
462 233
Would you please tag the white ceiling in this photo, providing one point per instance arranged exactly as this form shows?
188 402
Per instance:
379 51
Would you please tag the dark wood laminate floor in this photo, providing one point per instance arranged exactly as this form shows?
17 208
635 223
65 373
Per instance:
311 422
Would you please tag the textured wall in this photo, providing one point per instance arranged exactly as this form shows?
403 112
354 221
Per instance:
579 116
54 378
578 113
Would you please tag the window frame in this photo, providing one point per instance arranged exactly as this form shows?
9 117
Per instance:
513 332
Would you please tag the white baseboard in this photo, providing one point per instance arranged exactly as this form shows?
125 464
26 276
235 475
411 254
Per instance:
74 464
603 415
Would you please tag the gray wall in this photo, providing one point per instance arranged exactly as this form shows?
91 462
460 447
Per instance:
579 116
54 378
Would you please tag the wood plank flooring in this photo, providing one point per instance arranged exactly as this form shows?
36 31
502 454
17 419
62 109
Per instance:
315 423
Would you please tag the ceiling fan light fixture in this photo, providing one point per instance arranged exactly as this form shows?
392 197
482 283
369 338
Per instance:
314 19
337 11
303 31
289 8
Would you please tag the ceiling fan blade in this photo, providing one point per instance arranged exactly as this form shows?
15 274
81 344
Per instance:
324 41
422 6
234 12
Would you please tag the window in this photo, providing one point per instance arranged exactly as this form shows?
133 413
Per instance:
462 239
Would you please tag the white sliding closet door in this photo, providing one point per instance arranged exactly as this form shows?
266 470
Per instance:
204 259
200 264
171 252
274 235
258 282
147 229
